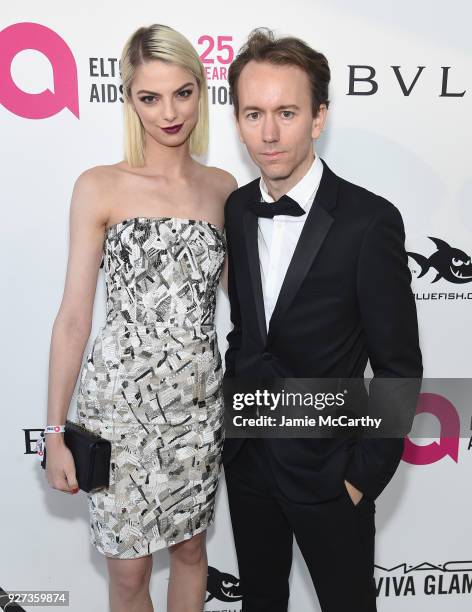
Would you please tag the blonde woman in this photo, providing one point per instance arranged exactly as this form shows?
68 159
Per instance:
151 381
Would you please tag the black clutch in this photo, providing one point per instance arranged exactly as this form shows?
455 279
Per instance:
91 455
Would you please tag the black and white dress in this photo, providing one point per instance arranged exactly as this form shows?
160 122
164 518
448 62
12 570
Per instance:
151 384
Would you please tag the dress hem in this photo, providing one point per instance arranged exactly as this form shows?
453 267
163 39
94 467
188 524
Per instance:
160 546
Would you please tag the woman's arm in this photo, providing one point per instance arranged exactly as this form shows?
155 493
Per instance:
72 325
224 276
226 185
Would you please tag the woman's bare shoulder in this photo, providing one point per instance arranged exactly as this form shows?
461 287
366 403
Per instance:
94 192
221 180
98 177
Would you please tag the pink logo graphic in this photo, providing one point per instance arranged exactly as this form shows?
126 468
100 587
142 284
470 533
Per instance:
447 416
21 36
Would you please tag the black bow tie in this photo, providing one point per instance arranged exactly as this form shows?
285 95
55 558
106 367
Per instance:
285 206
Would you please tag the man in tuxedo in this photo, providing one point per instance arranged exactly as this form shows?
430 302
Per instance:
318 284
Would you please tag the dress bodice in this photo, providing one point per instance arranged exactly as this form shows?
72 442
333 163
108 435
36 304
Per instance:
162 270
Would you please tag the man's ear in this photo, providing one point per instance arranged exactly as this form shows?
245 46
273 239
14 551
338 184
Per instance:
319 121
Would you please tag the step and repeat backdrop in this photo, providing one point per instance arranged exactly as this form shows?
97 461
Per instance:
399 124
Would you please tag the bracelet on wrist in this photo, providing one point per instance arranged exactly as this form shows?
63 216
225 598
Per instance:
54 429
41 441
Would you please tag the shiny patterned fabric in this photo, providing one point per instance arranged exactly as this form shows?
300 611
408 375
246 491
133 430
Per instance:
151 384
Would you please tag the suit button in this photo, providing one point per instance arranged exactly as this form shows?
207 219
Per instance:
267 356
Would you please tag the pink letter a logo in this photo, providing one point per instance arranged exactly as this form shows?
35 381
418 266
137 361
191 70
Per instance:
21 36
447 415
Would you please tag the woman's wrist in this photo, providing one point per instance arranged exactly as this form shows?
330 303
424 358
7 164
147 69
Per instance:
55 429
52 440
54 435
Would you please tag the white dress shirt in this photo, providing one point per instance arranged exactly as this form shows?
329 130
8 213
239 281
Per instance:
278 237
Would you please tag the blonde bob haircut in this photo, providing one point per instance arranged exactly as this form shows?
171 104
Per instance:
166 44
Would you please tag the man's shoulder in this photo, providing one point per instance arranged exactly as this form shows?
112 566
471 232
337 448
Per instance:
360 201
243 195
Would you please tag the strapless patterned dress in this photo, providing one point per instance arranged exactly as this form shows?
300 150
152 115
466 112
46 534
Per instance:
151 384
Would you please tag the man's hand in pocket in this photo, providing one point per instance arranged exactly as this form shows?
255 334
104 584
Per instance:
354 493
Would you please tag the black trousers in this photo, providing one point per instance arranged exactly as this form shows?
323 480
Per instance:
335 537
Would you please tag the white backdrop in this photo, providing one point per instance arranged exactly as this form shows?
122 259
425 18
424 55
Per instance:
413 149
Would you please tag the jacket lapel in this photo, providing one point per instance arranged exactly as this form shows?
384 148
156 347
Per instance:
250 223
314 232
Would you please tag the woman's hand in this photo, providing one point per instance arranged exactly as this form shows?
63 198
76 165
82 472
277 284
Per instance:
60 467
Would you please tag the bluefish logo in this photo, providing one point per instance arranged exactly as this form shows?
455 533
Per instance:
448 444
21 36
450 263
222 586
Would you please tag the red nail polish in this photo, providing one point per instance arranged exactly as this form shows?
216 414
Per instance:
76 490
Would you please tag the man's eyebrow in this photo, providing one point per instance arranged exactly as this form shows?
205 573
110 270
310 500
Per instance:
279 108
155 93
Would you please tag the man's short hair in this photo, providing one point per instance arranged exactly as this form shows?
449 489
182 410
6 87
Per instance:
262 46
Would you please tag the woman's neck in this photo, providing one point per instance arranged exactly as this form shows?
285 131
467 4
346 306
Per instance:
172 162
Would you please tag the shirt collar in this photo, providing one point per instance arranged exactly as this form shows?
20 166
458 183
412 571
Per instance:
304 191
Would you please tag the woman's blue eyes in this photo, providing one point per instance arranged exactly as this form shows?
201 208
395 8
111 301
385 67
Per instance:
184 93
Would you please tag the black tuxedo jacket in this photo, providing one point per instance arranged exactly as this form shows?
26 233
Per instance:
346 298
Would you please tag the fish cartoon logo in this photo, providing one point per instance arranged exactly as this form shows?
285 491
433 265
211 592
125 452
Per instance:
21 36
448 445
222 586
450 263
